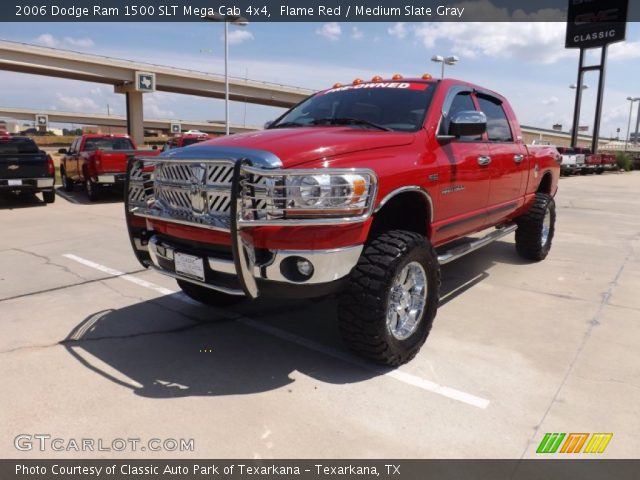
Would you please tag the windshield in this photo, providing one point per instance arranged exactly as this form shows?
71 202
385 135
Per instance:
9 146
92 144
387 106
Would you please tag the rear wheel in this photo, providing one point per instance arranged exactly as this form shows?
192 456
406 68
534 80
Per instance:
49 196
536 228
67 183
387 310
208 296
92 189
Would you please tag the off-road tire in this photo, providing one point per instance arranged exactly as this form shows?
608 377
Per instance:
49 196
67 183
208 296
92 189
362 307
529 235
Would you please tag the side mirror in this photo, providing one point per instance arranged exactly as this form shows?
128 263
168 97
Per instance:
468 123
268 124
62 151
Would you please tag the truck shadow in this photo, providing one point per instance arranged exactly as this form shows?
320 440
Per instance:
11 201
79 196
167 348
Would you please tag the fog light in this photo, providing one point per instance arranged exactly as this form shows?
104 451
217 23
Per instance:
305 267
296 269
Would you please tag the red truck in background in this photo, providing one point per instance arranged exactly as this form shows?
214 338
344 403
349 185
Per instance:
363 190
186 139
97 161
599 163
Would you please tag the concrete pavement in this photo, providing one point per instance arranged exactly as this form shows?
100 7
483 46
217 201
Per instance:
517 349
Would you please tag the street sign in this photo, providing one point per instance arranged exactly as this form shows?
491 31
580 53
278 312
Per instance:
42 122
145 82
595 23
176 128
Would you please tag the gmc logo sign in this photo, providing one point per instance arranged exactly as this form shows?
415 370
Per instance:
595 23
610 15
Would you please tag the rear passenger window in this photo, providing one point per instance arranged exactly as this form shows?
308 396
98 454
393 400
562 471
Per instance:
498 129
462 102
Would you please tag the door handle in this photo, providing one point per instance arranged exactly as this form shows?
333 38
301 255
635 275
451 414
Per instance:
484 160
518 158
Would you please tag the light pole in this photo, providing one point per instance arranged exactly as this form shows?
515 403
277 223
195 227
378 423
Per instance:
240 22
573 86
452 60
626 140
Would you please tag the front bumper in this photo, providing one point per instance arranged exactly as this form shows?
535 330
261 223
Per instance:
271 267
27 184
242 269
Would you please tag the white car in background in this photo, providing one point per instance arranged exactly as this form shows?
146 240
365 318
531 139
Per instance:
572 162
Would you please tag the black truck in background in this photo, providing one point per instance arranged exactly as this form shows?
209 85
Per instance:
24 168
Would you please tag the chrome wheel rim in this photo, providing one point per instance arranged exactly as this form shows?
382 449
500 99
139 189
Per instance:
407 300
546 228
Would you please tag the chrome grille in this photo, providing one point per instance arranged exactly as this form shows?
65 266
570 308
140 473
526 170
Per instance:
195 191
140 184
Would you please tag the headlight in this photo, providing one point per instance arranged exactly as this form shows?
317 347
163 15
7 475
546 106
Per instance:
306 194
326 192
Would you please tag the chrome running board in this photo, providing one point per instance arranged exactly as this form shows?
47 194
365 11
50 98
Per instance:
473 245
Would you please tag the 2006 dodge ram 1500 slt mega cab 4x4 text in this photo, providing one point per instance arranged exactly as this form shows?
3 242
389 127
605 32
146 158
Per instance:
363 190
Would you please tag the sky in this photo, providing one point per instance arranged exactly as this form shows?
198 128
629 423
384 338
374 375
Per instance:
524 61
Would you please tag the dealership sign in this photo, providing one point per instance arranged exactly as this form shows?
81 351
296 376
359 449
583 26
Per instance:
595 23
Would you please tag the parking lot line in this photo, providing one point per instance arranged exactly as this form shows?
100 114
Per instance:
396 374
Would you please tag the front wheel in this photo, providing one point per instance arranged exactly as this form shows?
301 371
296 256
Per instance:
208 296
67 183
387 310
536 228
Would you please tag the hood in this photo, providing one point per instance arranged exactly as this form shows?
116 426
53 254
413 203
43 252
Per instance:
296 146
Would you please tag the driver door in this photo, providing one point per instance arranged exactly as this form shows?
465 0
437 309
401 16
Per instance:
463 177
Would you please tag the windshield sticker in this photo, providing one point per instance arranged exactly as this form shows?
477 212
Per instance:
398 85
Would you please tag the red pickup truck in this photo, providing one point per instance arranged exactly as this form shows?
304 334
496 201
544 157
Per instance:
189 138
364 190
98 161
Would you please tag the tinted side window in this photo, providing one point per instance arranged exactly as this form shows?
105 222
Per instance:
498 128
462 102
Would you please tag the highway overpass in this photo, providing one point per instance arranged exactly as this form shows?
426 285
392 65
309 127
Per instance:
56 116
52 62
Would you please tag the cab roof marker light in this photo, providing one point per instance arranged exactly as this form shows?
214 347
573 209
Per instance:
376 79
358 81
426 76
397 76
337 85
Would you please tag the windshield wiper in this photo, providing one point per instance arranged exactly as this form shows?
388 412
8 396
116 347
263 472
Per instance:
350 121
287 125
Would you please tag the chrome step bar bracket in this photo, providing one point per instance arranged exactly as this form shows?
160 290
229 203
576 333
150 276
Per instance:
473 245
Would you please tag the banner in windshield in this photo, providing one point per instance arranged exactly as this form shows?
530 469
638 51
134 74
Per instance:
398 85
